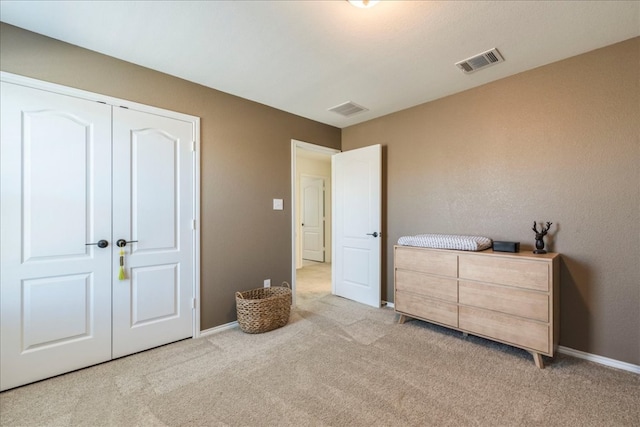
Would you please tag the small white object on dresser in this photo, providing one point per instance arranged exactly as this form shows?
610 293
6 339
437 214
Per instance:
512 298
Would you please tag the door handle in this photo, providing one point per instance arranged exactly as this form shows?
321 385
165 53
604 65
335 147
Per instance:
121 243
101 244
374 234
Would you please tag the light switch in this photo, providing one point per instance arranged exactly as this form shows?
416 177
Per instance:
278 204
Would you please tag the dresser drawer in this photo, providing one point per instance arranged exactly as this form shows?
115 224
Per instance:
530 304
426 308
426 261
506 328
504 271
427 285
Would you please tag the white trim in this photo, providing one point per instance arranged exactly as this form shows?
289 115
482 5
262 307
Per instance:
313 147
91 96
197 228
388 304
600 359
295 145
218 329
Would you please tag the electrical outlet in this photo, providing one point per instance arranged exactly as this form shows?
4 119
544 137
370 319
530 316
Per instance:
267 283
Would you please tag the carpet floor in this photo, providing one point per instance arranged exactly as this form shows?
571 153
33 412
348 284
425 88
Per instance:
336 363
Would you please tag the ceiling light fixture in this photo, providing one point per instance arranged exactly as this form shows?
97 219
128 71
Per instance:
363 4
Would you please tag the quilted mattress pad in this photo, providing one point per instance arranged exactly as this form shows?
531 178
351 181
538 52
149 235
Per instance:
447 241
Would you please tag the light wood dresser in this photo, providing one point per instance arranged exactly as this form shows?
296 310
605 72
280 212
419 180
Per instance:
507 297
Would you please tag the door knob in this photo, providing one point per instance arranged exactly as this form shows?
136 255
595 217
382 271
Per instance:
101 244
121 243
374 234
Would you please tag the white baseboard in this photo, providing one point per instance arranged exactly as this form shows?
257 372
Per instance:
600 359
388 304
217 329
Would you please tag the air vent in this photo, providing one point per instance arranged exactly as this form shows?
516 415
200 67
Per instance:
348 109
477 62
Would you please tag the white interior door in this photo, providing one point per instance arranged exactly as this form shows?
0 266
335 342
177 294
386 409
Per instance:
357 189
153 207
55 198
312 189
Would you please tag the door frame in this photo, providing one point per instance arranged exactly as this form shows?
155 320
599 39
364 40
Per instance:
91 96
297 145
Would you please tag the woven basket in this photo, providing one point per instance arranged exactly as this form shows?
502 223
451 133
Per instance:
263 309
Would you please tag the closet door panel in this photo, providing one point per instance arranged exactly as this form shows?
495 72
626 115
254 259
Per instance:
153 208
56 198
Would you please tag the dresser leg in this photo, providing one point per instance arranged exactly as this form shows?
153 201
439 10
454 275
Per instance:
537 358
403 319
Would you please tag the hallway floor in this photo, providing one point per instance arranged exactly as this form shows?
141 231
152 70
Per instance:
313 280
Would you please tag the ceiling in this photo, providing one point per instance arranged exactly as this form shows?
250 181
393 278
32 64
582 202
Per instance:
307 56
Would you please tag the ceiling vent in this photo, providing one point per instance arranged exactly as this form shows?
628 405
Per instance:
483 60
348 109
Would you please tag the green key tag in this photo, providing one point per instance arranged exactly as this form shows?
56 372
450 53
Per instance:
121 275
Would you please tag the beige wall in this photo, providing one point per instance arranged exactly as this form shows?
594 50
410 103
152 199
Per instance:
245 160
560 143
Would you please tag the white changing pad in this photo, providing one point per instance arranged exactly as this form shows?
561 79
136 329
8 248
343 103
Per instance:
447 241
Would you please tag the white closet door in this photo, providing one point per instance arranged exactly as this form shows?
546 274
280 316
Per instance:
153 205
55 198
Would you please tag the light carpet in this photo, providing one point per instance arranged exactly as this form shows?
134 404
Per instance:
337 363
313 281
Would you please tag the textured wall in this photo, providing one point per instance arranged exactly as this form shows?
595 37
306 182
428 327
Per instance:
560 143
245 160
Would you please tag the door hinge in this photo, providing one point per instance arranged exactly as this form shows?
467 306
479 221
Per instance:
193 146
193 303
193 224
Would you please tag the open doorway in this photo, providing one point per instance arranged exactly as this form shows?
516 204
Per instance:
311 220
